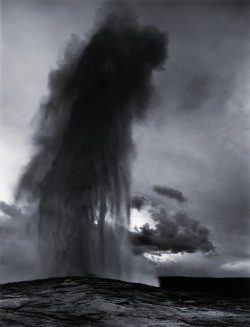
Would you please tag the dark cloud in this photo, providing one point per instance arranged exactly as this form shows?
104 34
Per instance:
82 167
175 233
169 192
11 210
138 201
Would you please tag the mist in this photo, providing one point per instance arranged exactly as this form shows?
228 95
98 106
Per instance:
79 178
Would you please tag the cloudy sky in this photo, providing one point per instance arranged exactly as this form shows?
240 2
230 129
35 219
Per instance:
192 162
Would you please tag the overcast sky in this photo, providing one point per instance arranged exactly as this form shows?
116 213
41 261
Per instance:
195 139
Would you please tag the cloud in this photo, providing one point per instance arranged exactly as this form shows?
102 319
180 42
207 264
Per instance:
159 257
138 201
169 192
11 210
174 233
239 266
196 92
198 265
19 244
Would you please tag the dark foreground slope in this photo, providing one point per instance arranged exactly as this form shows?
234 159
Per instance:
232 287
102 302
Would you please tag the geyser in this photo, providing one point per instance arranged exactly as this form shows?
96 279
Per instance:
80 175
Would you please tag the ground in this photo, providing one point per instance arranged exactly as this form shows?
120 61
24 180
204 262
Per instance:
82 301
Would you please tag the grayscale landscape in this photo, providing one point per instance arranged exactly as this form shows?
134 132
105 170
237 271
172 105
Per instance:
124 162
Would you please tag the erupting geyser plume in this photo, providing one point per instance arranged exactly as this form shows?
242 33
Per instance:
80 176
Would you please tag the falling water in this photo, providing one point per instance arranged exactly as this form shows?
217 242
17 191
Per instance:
80 175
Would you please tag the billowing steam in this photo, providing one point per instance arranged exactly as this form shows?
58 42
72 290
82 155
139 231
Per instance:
80 175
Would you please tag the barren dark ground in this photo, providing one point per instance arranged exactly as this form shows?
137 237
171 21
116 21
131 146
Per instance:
82 301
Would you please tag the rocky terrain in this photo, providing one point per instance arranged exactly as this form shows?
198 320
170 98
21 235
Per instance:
82 301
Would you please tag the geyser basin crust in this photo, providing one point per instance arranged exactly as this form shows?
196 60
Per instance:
104 302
